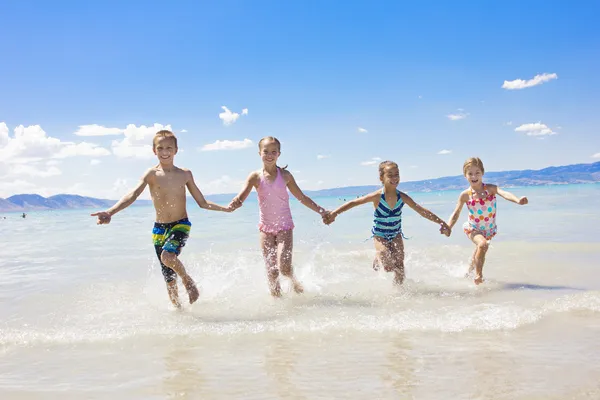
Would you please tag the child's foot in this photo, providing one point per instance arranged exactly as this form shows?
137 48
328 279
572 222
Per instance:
478 280
398 279
275 289
192 290
298 287
376 265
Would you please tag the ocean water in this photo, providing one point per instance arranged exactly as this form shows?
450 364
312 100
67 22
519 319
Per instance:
85 315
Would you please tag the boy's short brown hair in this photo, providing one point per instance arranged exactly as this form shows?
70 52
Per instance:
164 134
473 161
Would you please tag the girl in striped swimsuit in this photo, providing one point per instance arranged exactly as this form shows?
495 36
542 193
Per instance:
387 220
481 202
275 218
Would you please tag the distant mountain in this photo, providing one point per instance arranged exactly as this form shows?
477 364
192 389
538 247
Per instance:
570 174
35 202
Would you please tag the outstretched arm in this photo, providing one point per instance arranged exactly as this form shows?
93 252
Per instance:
462 199
104 217
425 213
369 198
508 195
199 197
251 181
304 199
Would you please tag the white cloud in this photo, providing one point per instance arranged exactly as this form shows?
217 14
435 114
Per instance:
413 166
458 116
137 142
94 162
7 189
362 130
420 97
53 162
120 185
224 184
31 144
322 156
535 129
97 130
82 149
521 84
227 145
183 130
319 183
32 171
445 152
228 117
508 123
372 161
597 155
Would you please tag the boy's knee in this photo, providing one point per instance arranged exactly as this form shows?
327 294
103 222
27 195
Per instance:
168 258
286 271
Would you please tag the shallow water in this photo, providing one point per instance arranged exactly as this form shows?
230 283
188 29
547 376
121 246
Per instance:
85 313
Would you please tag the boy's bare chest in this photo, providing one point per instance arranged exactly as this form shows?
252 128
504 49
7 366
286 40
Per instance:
169 181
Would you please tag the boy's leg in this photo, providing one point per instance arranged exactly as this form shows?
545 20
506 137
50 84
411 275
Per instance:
172 261
285 246
268 244
397 249
481 249
170 278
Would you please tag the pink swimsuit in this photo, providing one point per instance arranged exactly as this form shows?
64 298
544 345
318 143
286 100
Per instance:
482 215
274 205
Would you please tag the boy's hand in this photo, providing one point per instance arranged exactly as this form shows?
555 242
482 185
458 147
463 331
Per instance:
523 200
103 217
445 229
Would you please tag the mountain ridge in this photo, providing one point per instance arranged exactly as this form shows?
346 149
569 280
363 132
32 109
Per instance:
561 175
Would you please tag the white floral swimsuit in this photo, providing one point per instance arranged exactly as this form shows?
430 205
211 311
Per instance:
482 215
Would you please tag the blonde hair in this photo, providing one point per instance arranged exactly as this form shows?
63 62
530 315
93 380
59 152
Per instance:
268 139
473 161
383 165
164 134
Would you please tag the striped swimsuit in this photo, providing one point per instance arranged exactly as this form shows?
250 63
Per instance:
387 221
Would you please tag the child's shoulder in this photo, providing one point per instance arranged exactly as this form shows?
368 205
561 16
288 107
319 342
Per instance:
490 187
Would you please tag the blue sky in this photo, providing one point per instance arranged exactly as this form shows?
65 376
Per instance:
419 78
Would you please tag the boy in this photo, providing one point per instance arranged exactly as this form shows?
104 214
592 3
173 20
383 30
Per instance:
167 188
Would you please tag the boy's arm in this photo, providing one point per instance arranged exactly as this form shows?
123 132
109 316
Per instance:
304 199
508 195
425 213
462 199
251 182
199 197
104 217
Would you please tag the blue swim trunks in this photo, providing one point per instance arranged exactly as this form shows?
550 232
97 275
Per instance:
170 237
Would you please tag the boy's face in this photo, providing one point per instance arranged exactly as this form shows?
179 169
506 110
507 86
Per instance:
165 150
269 153
391 176
474 175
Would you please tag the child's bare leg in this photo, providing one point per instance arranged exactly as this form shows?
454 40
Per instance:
384 253
173 293
172 261
397 249
471 264
285 246
479 256
268 244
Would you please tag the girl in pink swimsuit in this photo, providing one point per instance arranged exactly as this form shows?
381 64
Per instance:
481 202
275 218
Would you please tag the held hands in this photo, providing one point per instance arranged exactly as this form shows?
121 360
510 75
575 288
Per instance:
522 201
234 204
103 217
445 229
328 217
